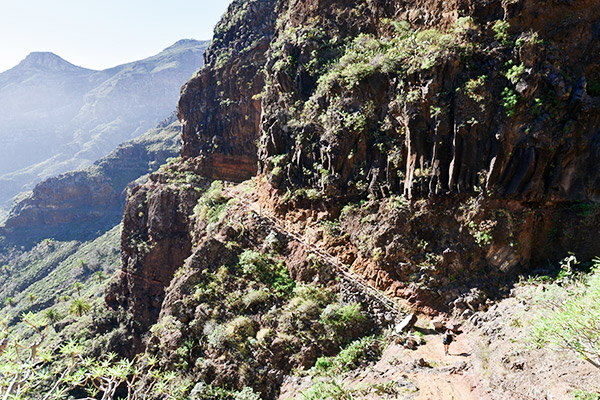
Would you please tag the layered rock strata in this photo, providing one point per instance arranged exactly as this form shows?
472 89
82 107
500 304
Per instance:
451 145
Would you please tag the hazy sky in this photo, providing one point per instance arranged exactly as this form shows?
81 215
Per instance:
99 34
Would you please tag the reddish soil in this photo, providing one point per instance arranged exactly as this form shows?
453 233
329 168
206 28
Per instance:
490 361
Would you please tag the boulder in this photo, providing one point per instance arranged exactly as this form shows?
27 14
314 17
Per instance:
407 323
437 324
410 343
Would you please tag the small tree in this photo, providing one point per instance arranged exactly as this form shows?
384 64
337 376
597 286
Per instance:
78 286
31 297
25 374
99 276
9 301
79 307
52 316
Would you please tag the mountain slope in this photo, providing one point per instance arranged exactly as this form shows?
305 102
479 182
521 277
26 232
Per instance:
81 204
58 117
439 149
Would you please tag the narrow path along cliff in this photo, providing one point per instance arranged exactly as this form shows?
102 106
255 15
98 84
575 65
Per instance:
421 374
442 376
393 308
425 371
490 358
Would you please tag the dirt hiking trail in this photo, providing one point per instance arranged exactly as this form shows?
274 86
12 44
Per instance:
425 373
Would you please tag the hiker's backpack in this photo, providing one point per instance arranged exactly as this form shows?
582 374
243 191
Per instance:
447 338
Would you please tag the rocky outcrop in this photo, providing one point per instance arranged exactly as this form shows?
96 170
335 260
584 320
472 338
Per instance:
81 204
156 240
488 103
220 116
470 128
441 106
219 108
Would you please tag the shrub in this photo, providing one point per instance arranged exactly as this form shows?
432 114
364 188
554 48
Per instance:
585 395
358 352
246 394
203 391
343 321
514 73
309 309
240 328
500 29
475 87
367 54
571 318
319 295
218 337
166 326
253 263
260 266
463 24
255 297
509 101
212 204
327 391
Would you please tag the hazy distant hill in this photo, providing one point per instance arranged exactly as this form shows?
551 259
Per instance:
56 117
80 205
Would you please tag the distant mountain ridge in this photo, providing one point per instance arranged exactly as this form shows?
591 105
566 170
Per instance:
48 61
56 117
80 205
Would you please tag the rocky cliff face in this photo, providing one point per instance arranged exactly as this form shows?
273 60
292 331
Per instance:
220 118
453 103
492 102
219 108
439 148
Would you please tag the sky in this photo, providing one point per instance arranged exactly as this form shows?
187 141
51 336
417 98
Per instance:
99 34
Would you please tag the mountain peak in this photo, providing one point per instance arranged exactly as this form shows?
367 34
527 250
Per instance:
48 61
184 43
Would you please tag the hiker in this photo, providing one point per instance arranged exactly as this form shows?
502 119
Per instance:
448 338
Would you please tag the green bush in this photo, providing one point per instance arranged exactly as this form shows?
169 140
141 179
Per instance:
342 321
203 391
255 297
500 29
356 353
240 328
324 365
246 394
367 54
571 318
327 391
212 205
319 295
585 395
261 267
219 337
514 73
509 101
253 263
